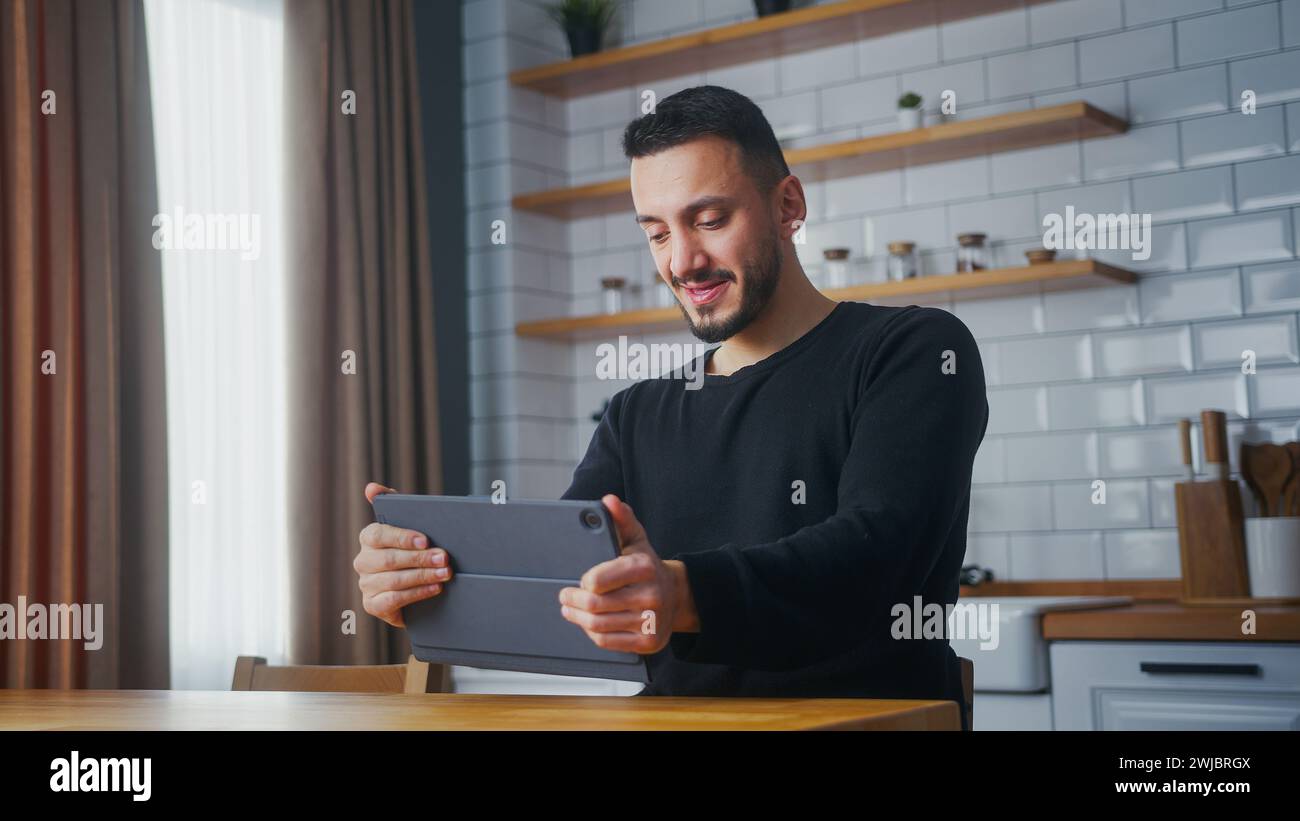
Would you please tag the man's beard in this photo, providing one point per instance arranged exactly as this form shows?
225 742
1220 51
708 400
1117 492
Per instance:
762 272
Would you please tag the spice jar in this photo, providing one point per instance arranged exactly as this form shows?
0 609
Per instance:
902 260
660 293
970 253
837 267
613 293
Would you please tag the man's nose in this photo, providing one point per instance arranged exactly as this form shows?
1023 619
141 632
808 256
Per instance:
688 259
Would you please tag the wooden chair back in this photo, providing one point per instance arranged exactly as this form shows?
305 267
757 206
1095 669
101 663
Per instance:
253 673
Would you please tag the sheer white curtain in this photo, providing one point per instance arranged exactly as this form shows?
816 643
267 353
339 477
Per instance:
216 72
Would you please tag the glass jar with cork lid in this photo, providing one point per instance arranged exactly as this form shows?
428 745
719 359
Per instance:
902 262
612 294
971 255
837 267
659 293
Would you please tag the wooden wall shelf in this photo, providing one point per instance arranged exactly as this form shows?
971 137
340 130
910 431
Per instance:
1065 275
776 35
936 143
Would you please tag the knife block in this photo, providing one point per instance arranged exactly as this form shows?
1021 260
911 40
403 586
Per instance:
1212 539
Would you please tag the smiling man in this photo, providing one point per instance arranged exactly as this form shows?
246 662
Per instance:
775 518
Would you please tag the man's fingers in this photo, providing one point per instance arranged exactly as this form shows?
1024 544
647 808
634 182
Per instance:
377 534
636 597
391 601
629 529
624 622
378 560
629 568
374 583
373 489
623 642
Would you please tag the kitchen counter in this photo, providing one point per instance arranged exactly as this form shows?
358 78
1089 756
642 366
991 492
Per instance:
1172 621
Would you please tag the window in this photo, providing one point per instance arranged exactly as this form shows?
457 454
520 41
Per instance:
216 72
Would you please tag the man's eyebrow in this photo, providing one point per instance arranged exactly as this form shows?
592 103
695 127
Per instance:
698 205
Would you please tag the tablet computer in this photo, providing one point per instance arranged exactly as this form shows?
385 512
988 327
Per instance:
501 609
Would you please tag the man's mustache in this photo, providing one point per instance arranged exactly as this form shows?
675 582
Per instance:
715 275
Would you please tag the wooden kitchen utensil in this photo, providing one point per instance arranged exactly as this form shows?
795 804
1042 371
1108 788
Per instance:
1211 539
1185 446
1214 443
1247 462
1267 469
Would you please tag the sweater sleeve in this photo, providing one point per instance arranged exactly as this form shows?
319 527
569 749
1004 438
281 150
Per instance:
920 414
601 469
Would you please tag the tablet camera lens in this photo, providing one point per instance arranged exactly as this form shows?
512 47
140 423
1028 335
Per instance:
591 519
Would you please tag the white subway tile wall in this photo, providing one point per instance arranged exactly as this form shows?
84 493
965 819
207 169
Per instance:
1139 51
1056 556
1231 137
1179 94
1084 386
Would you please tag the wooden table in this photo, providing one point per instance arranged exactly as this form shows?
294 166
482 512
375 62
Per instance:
213 710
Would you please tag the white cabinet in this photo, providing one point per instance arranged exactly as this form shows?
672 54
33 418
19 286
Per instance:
1130 685
1013 711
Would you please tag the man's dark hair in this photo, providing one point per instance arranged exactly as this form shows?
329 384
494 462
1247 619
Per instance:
710 110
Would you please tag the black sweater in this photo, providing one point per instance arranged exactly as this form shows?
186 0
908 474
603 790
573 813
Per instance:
795 600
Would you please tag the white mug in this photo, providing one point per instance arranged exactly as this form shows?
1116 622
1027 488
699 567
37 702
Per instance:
1273 556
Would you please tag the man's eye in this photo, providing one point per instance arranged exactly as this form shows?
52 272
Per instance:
658 239
711 224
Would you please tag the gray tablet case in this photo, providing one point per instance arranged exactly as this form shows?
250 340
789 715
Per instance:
501 609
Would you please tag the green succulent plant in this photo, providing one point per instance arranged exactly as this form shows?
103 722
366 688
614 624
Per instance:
583 13
910 100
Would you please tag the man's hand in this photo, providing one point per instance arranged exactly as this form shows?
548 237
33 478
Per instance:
397 567
635 602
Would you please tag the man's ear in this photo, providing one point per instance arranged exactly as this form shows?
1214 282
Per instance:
791 204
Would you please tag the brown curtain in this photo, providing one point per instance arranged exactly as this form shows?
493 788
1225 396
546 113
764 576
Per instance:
83 518
359 281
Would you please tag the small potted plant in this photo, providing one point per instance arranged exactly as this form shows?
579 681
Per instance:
584 23
766 7
909 111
